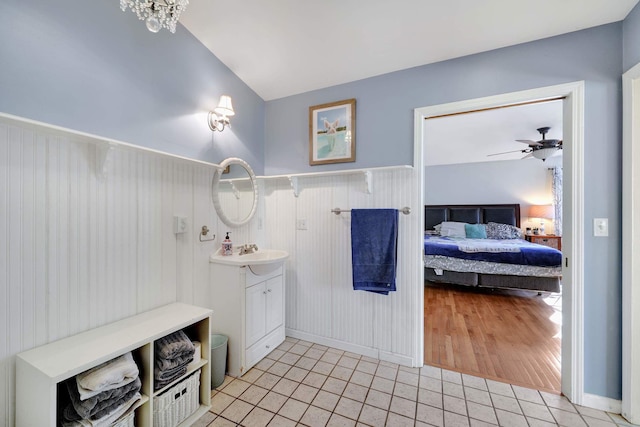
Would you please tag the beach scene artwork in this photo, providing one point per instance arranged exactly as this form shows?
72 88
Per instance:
332 134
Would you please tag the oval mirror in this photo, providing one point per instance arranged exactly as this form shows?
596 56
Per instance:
234 192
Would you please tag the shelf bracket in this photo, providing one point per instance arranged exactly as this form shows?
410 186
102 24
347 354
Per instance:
368 182
104 154
293 180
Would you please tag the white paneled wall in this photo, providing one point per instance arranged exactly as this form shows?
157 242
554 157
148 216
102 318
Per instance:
321 303
78 251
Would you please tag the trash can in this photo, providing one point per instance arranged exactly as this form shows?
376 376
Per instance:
218 359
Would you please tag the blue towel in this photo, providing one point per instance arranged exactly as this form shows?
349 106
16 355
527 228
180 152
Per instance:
374 241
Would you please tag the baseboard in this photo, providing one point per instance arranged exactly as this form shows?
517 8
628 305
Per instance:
602 403
353 348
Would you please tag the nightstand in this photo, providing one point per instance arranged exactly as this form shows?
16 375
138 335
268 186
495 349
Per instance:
546 240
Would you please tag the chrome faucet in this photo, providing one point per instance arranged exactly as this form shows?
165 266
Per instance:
249 248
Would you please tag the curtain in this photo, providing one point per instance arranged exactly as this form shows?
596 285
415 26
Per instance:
556 191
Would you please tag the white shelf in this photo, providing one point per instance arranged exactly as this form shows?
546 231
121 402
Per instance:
294 178
40 371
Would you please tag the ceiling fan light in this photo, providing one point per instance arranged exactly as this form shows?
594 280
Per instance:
544 153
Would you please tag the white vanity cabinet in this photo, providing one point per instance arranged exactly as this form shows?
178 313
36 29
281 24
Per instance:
249 309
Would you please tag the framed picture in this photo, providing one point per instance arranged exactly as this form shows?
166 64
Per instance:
332 132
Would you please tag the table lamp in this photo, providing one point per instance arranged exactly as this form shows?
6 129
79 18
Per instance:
541 212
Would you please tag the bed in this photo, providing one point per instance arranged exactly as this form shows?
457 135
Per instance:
510 263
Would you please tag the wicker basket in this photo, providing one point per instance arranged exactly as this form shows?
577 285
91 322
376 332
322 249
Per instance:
177 403
125 421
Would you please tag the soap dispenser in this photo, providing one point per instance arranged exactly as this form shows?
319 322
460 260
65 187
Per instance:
227 246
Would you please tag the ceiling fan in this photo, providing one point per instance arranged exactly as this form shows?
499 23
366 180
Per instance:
539 149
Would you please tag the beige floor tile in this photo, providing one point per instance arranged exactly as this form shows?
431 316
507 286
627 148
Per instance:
325 400
567 419
237 411
334 385
593 413
503 389
348 408
205 420
482 412
252 375
367 367
275 354
341 373
431 384
299 349
253 394
305 393
220 401
293 409
272 402
330 357
257 418
285 387
557 401
452 377
355 392
267 380
306 363
455 420
527 394
236 388
305 343
314 379
396 420
348 362
361 378
597 422
430 398
505 403
407 378
475 382
389 364
314 353
430 415
451 389
378 399
227 380
323 368
506 418
534 422
533 410
478 396
296 374
386 372
370 359
431 372
405 390
279 369
265 364
410 369
286 345
383 384
340 421
320 347
315 417
280 421
455 404
289 358
221 422
373 416
335 351
478 423
404 407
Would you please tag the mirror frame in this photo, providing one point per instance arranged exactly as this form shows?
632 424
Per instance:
217 176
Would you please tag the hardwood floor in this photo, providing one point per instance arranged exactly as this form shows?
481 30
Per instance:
505 335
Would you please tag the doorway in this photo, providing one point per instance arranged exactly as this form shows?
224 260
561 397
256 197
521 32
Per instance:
573 221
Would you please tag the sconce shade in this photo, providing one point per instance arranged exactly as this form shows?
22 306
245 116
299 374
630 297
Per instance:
541 211
224 107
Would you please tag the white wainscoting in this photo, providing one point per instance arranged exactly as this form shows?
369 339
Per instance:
78 250
321 303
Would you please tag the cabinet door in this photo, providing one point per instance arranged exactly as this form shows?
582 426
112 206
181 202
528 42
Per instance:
275 306
255 309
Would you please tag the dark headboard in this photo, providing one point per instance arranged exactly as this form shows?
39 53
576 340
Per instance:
472 214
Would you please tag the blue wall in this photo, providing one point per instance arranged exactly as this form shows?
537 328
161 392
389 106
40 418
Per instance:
631 39
88 66
384 126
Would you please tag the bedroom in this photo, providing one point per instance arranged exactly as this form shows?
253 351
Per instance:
474 159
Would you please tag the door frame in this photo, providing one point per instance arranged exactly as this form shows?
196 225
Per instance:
630 243
572 371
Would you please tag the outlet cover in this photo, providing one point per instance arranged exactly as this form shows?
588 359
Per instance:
301 224
179 224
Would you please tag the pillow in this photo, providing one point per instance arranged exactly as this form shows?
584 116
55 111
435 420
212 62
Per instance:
503 231
475 231
453 229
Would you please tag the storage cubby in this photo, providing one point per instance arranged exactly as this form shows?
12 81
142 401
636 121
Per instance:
41 372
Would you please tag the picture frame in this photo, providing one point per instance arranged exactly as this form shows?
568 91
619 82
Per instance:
332 132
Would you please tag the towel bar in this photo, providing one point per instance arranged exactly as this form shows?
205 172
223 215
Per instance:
406 210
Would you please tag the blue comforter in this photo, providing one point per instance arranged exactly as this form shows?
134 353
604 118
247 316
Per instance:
513 251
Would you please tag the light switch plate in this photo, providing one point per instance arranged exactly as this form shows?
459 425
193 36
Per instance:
600 227
301 224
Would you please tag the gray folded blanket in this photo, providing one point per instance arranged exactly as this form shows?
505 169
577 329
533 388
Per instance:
178 361
104 408
89 407
174 345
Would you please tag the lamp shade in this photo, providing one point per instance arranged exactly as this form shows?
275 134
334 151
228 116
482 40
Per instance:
224 107
541 211
544 153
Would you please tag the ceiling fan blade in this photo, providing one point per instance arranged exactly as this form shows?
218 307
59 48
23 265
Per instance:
528 141
506 152
528 156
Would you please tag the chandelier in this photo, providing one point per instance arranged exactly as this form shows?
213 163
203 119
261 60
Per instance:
156 13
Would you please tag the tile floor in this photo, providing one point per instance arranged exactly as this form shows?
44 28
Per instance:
306 384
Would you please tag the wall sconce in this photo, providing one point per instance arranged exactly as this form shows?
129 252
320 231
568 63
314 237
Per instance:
219 118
